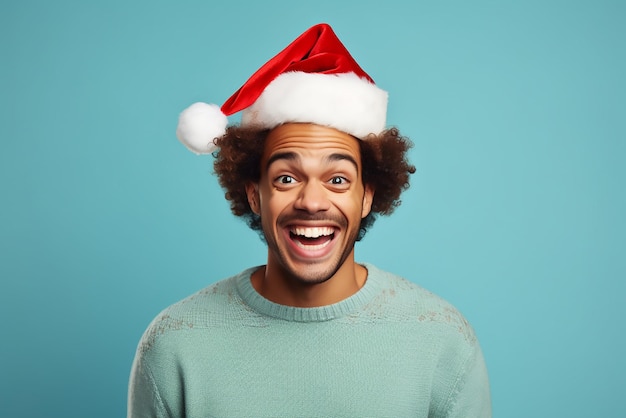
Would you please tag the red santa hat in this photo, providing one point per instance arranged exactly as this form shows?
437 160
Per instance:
313 80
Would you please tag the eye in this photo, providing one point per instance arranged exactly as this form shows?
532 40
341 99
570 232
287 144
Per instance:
285 179
338 181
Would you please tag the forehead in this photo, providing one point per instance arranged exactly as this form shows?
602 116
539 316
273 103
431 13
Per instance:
309 140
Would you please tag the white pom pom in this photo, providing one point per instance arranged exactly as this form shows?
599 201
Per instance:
199 125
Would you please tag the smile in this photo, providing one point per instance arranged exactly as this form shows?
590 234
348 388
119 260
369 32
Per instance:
312 238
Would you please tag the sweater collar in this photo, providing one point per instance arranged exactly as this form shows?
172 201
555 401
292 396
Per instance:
318 314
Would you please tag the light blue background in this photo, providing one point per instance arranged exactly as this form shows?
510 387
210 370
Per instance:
516 213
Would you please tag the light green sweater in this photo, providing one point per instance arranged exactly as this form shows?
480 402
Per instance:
391 350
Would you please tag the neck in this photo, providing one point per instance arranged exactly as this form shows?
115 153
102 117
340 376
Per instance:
277 285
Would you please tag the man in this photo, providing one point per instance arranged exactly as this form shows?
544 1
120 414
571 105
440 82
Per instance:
311 333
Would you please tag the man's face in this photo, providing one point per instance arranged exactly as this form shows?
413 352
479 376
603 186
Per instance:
311 200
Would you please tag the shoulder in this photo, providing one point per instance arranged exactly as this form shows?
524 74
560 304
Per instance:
213 306
462 380
407 301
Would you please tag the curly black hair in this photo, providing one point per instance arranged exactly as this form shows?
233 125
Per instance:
383 157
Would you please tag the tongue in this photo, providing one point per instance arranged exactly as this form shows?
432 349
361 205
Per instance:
311 241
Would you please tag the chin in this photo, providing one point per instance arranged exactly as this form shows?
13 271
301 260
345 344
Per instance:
311 274
311 279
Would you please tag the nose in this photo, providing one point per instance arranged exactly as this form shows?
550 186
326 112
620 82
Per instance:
313 197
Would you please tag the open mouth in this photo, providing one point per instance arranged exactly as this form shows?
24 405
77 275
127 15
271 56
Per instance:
311 238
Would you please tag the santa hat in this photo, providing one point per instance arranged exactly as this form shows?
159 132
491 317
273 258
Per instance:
313 80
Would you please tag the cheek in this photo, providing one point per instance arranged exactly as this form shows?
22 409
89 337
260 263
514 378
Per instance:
351 206
273 203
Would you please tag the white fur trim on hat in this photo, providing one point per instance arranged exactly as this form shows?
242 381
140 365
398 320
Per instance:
199 125
341 101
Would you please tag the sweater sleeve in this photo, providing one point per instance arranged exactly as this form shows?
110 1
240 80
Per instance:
144 400
472 398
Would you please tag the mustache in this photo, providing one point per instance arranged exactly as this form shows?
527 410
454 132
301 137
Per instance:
288 218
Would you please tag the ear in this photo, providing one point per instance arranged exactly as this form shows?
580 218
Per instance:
368 197
252 191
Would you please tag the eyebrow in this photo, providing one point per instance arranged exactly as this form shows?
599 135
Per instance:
343 157
292 156
289 156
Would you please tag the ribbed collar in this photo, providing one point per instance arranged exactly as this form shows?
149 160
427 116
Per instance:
323 313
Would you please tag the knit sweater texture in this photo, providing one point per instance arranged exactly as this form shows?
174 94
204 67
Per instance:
392 349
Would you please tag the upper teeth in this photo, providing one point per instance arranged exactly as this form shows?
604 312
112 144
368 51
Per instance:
313 232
